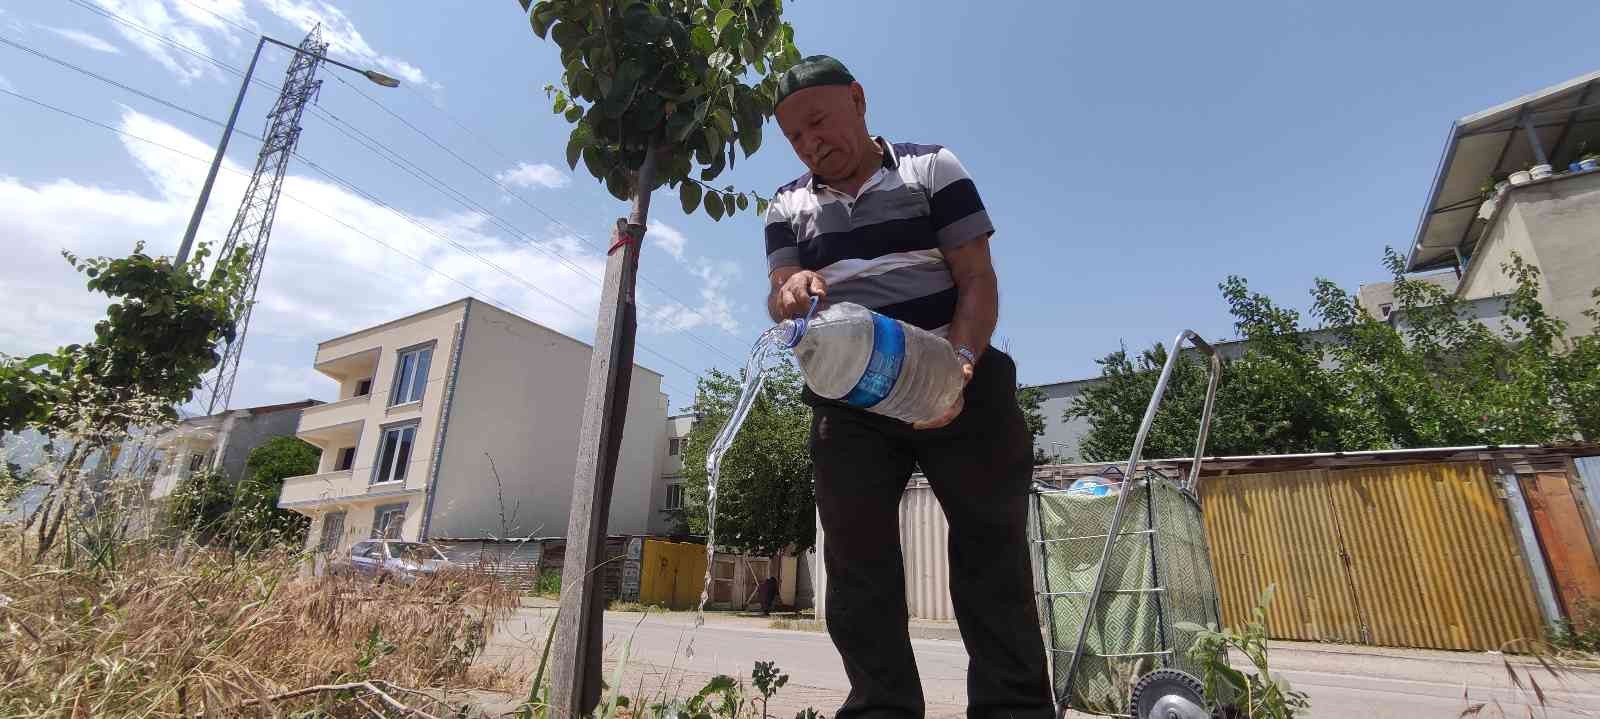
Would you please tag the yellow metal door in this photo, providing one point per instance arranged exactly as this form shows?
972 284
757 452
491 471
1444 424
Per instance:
1278 528
1433 558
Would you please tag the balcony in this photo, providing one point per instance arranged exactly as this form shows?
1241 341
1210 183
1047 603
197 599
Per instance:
355 365
313 488
336 424
333 487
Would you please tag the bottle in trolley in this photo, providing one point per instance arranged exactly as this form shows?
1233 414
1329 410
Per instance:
1122 563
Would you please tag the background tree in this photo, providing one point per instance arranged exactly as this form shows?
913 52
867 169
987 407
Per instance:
766 501
255 520
1030 401
149 354
1436 377
155 344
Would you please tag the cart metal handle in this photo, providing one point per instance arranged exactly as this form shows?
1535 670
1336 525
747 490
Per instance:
1214 371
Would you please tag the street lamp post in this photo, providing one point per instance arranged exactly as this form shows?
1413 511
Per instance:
227 132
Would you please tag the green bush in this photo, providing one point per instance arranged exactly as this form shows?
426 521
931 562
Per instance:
549 583
1234 692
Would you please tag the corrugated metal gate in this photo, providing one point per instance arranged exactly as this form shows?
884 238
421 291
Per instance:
924 543
1280 529
1420 555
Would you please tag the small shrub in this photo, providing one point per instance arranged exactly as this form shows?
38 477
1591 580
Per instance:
1581 635
549 583
1236 693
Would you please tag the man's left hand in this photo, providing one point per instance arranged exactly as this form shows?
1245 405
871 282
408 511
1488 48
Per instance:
951 414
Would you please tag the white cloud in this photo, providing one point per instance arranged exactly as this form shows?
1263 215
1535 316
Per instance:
195 22
667 238
181 22
343 39
320 280
289 381
79 37
537 174
714 309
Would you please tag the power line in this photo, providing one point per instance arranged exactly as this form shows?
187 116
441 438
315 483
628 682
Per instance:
374 147
476 168
317 110
341 222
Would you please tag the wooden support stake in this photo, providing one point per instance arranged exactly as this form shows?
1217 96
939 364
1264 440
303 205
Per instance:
579 634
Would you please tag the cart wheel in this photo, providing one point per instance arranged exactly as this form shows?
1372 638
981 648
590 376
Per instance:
1169 694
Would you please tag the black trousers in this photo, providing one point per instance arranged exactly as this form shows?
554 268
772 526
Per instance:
980 467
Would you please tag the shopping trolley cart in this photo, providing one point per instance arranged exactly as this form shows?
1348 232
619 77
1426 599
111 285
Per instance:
1120 565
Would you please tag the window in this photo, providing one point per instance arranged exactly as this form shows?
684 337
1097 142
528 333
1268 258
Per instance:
346 460
332 528
196 461
370 550
387 521
1385 309
675 496
363 388
411 375
394 453
415 552
677 445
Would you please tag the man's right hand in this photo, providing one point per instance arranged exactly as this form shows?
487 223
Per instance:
792 290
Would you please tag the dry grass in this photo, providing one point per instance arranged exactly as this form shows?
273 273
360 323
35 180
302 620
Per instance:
197 632
799 625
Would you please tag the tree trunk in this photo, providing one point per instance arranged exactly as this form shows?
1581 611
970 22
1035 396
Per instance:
575 677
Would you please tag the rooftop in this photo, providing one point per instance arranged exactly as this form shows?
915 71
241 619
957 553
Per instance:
1550 126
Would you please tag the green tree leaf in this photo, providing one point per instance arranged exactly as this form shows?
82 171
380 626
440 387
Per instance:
714 205
580 139
702 41
744 202
724 16
689 195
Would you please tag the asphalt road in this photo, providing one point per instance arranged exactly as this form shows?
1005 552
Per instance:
668 656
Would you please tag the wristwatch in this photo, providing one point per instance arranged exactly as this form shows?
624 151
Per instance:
965 353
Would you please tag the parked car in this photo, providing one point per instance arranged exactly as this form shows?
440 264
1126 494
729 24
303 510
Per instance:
405 561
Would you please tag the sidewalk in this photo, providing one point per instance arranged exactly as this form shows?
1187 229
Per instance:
1342 680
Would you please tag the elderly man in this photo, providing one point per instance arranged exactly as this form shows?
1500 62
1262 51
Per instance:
899 228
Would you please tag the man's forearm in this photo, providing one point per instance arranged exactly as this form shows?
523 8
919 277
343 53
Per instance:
977 311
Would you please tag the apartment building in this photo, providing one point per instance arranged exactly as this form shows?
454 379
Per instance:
677 430
220 441
462 421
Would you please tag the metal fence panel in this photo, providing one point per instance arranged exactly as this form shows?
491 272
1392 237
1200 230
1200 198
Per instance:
1432 557
1279 529
924 542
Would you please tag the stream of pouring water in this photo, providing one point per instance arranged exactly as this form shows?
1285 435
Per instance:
770 345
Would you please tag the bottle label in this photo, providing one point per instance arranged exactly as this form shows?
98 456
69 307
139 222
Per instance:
888 354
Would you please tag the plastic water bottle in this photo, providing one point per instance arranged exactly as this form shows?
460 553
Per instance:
854 355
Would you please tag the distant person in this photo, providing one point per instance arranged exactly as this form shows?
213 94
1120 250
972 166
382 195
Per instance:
769 595
899 228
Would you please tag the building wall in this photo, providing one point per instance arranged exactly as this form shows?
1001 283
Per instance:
677 427
361 422
519 398
247 429
1555 225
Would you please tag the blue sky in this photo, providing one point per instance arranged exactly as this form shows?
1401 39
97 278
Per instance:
1132 156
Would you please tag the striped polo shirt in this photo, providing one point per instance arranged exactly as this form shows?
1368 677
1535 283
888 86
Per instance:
883 248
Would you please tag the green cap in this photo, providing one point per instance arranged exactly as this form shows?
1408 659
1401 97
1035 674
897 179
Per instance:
813 71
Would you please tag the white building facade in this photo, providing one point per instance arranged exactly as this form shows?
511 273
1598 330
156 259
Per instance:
462 421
